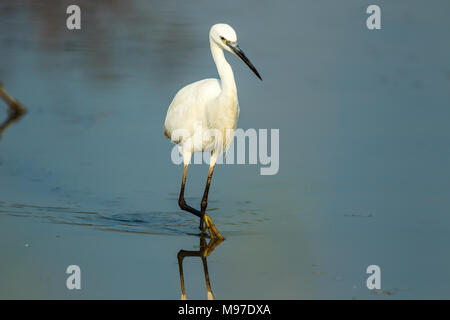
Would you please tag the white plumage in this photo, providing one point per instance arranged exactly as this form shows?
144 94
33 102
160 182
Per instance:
198 109
203 115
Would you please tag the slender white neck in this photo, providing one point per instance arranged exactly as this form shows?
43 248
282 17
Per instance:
224 69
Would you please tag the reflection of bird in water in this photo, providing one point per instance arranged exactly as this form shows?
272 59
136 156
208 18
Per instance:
15 110
208 111
203 253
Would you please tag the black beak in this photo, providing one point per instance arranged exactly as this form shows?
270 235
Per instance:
235 48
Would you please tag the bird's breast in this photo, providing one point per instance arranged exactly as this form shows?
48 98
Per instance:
224 115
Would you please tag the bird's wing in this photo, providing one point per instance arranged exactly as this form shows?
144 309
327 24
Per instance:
188 105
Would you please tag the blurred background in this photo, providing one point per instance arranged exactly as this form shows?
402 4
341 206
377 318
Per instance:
86 176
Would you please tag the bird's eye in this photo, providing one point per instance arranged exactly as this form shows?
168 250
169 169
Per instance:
222 38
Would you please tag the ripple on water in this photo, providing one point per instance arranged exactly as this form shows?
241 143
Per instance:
145 222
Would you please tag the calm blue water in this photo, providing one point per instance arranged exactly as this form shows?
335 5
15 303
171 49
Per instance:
86 176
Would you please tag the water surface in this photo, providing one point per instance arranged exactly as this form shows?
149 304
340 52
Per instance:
86 176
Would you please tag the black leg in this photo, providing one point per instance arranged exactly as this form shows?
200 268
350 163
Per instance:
204 204
182 202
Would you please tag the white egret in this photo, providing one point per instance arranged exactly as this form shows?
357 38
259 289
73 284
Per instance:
207 109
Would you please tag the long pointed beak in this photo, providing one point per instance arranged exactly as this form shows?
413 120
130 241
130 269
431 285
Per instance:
235 48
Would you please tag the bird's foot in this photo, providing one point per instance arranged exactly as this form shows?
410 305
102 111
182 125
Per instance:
213 232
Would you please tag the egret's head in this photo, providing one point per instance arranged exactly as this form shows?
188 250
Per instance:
225 37
221 33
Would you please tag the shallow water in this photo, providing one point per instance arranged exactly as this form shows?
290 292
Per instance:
86 176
